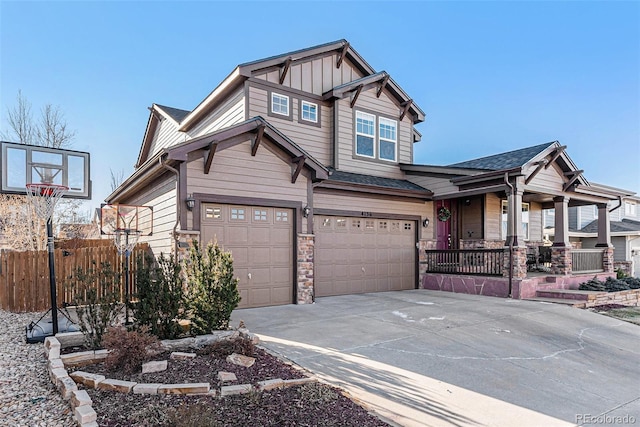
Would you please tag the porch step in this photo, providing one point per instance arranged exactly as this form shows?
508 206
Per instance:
570 294
569 302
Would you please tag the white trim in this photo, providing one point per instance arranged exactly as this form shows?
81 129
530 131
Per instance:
367 117
381 139
302 105
505 204
287 114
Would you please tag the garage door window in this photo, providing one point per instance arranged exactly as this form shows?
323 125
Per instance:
259 215
355 223
407 226
237 214
326 222
282 216
341 223
369 224
382 225
395 226
213 213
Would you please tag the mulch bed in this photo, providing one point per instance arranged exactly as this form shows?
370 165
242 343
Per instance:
311 404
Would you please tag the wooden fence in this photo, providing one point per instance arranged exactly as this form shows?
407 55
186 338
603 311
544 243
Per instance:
24 276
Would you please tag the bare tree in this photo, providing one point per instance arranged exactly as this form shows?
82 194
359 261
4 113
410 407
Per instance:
116 178
19 228
20 122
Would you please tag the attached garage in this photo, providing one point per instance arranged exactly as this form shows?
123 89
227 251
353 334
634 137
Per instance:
261 240
359 255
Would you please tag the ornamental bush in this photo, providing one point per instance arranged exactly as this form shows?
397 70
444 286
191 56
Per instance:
212 290
160 296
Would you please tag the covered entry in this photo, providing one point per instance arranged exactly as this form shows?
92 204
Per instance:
261 241
358 255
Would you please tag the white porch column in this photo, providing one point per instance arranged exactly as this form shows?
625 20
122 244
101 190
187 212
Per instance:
561 206
604 226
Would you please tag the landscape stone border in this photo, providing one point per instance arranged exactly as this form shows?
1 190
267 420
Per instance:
81 403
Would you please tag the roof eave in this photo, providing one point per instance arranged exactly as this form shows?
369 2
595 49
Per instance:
375 189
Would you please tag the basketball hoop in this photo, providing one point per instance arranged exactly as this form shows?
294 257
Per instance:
125 240
44 197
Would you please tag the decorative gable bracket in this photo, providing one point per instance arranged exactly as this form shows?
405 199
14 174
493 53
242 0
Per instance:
285 69
299 163
208 156
342 55
258 139
556 154
405 108
574 177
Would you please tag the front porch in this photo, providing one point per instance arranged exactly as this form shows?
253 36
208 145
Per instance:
486 271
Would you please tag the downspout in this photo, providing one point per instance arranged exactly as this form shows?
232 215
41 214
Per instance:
511 190
619 204
178 205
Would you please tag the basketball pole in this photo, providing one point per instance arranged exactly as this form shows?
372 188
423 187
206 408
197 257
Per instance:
52 277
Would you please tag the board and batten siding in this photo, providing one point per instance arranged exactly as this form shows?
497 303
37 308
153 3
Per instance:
325 199
229 113
367 102
317 76
236 173
165 136
314 140
161 195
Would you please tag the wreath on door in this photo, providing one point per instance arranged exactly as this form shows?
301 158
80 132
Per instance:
443 213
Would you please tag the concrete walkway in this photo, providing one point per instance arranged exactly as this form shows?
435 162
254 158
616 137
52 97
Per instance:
428 358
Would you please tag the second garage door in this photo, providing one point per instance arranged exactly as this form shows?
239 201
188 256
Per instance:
358 255
261 242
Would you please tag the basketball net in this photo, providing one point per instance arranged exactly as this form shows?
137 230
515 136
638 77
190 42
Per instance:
44 197
125 240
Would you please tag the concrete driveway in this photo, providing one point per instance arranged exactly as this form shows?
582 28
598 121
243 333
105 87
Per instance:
429 358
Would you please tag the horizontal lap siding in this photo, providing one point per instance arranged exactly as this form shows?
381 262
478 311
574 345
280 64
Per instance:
235 172
346 136
229 113
314 140
535 221
493 217
439 186
549 179
162 197
166 135
316 76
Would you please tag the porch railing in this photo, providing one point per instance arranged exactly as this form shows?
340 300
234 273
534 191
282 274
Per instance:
481 262
587 260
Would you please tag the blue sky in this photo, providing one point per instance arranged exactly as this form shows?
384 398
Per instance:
490 76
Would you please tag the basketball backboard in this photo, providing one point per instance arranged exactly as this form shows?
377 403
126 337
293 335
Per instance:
136 219
24 164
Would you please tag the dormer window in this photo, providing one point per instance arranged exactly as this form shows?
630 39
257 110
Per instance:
279 104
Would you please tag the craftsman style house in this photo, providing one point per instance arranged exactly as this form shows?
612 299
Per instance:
302 165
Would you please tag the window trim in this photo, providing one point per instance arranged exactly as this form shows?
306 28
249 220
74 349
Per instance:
381 139
303 103
270 112
356 133
376 137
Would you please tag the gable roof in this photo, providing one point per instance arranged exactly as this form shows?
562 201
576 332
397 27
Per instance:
248 69
175 113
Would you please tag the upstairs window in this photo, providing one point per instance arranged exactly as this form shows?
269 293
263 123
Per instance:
388 139
365 134
630 209
279 104
309 111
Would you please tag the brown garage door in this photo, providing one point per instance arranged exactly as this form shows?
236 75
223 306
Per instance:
261 241
358 255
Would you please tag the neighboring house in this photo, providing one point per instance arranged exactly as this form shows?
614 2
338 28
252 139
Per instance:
625 231
302 165
78 231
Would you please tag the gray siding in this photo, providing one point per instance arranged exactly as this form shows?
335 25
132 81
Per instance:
230 112
492 218
165 136
162 197
439 186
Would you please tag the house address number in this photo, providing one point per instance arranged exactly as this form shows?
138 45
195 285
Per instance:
367 214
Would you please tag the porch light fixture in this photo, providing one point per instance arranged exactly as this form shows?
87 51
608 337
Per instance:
306 211
425 222
191 202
